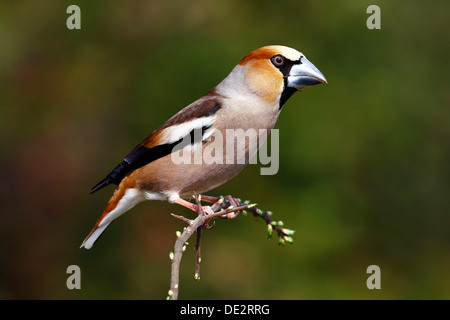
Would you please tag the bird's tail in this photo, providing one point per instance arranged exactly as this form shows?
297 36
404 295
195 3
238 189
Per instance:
93 236
123 199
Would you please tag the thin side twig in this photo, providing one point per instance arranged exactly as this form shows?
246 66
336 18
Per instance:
198 257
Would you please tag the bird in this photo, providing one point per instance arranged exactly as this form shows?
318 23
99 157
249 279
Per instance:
251 97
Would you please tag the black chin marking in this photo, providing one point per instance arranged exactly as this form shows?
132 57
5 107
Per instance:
285 95
285 69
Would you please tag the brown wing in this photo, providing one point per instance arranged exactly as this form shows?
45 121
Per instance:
154 147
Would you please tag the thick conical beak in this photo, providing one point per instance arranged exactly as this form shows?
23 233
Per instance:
304 74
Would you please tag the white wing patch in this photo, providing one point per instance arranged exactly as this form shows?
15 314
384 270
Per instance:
179 131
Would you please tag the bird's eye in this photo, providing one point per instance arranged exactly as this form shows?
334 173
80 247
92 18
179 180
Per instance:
278 60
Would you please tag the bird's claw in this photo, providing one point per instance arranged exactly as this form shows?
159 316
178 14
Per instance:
206 225
233 203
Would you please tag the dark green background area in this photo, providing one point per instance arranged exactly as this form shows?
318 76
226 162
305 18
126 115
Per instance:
364 161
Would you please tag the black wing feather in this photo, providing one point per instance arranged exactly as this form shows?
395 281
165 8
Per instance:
140 156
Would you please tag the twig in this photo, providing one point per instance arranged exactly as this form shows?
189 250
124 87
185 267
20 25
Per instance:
221 208
193 225
284 234
197 244
198 257
181 218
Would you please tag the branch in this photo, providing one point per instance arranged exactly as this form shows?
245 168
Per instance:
221 208
284 234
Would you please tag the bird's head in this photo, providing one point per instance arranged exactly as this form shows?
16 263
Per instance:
276 72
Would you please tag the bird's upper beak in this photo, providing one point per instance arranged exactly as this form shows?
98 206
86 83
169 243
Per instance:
305 74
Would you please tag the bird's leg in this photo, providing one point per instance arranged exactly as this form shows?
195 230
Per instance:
210 199
193 207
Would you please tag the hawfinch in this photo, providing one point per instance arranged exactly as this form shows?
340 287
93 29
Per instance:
250 97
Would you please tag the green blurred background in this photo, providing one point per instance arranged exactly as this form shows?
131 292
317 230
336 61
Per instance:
364 161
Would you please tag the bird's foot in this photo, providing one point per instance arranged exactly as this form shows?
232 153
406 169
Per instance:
207 210
198 209
233 203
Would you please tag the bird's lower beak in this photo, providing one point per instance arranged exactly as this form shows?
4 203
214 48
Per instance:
305 75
